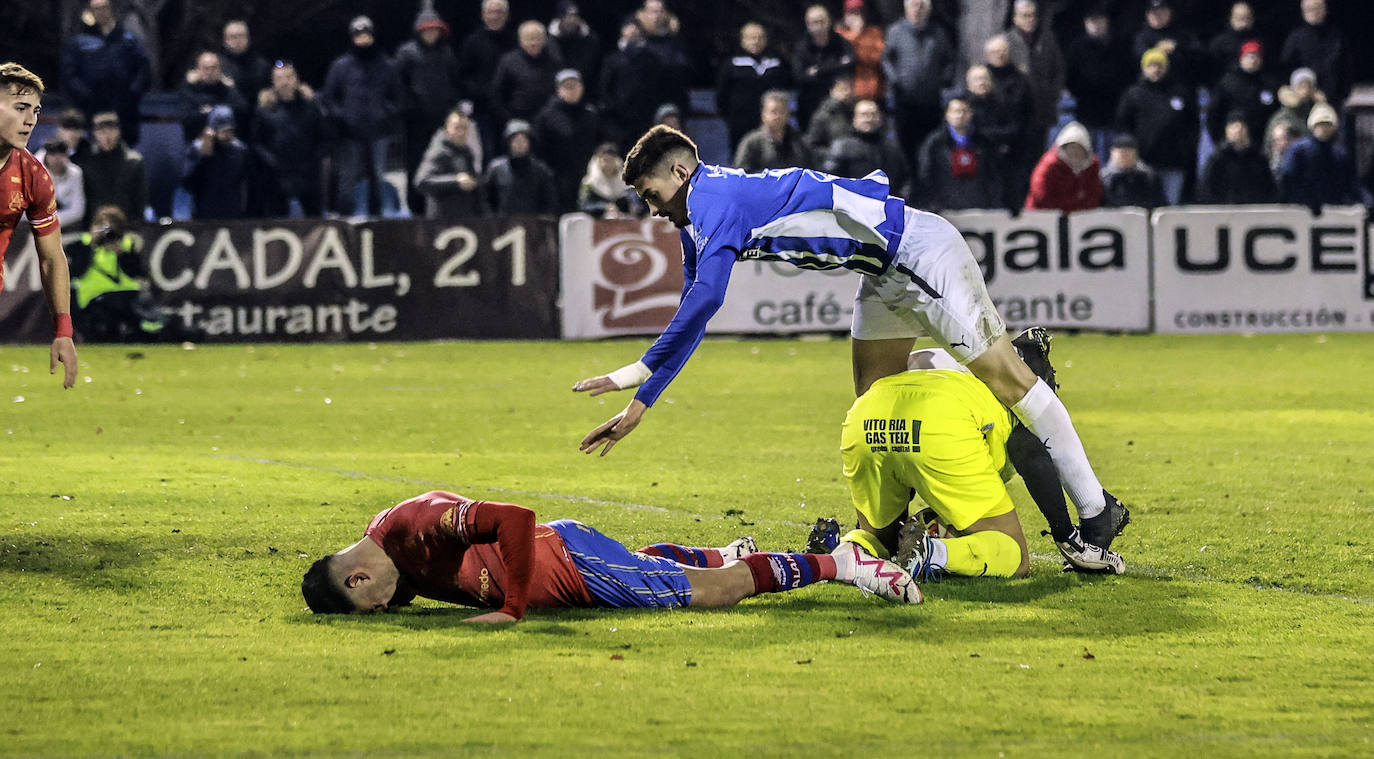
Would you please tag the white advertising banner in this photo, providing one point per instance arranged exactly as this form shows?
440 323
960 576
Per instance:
1261 269
1087 270
624 277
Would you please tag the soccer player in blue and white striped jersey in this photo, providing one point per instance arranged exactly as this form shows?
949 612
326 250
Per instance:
918 278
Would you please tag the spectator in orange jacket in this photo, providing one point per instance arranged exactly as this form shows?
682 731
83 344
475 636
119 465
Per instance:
1067 178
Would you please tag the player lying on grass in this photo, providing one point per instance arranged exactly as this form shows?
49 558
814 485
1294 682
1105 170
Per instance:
918 277
493 555
29 192
937 432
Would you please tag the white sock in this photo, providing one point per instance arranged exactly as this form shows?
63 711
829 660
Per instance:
1045 416
939 553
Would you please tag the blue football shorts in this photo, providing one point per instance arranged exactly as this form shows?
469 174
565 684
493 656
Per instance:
618 578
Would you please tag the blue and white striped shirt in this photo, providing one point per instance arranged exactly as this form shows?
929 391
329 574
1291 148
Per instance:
806 218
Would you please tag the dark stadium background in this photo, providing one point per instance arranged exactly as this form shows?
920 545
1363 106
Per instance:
312 32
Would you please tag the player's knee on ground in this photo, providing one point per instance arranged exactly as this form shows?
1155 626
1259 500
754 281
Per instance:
986 554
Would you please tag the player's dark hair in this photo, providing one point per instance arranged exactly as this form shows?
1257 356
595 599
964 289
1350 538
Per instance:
55 146
322 594
652 148
18 80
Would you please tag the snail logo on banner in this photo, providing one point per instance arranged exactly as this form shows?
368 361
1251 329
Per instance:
624 277
637 283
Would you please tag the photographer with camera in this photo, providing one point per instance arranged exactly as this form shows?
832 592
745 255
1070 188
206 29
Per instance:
113 298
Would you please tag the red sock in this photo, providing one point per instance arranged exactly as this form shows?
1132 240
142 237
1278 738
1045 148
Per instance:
781 572
692 557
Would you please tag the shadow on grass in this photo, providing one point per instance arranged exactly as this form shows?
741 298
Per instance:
82 560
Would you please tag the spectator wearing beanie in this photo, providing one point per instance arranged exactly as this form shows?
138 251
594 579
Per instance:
1126 182
867 41
428 70
517 183
1295 104
362 97
566 133
1162 115
1236 173
1318 171
1068 177
1247 88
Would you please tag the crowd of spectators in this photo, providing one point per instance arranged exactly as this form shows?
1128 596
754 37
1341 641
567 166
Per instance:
995 112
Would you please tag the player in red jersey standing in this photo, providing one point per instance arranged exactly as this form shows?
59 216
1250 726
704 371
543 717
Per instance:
27 189
494 555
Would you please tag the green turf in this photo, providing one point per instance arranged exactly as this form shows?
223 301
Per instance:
155 521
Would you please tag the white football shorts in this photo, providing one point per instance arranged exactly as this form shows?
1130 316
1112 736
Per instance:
933 288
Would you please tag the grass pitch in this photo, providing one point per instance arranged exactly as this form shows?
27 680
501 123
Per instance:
155 521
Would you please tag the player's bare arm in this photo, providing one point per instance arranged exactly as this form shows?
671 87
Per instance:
21 96
57 287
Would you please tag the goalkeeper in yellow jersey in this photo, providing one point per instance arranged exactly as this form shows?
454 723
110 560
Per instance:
939 433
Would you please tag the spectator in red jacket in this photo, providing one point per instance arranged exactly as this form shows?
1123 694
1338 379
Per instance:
1067 178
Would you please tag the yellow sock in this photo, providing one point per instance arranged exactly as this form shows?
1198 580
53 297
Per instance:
868 541
982 554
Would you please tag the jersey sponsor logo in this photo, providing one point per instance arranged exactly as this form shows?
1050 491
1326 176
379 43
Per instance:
749 253
483 585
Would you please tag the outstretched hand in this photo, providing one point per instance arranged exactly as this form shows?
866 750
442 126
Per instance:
611 431
65 351
595 386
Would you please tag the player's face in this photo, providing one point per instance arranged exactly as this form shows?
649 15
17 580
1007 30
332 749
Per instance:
370 590
18 116
665 192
